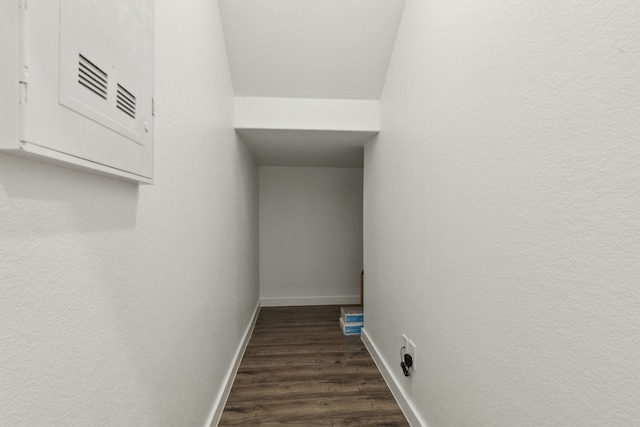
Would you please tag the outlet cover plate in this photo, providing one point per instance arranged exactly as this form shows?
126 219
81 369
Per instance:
411 349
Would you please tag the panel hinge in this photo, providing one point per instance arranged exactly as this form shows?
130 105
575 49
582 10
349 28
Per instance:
23 93
23 97
23 71
153 107
23 25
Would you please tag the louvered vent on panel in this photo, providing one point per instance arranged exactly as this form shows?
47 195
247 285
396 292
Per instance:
126 102
92 77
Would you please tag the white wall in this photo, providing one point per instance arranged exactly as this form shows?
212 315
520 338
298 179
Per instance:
501 212
124 305
310 235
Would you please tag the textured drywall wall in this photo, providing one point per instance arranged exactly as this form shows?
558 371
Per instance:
502 200
123 305
310 235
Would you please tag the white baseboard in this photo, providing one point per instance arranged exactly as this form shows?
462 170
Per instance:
221 399
293 301
405 404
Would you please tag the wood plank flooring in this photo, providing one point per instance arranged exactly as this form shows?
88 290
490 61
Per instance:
300 370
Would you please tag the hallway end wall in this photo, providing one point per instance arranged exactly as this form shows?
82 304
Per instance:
310 235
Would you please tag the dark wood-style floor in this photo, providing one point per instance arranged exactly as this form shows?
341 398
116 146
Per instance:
300 370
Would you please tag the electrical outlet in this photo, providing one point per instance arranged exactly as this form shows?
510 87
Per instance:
411 349
405 341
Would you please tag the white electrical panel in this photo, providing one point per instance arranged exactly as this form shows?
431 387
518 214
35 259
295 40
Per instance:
76 84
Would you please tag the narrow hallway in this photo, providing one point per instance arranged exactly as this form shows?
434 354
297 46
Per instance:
168 168
299 369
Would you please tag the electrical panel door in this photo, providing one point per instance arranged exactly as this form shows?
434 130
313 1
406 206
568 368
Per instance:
77 87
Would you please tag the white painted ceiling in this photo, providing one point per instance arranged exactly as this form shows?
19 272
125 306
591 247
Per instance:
327 49
310 48
313 148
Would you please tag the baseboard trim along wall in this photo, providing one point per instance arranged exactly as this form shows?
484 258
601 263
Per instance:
296 301
405 404
221 399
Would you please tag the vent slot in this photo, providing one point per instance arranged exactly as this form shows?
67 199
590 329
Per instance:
92 77
126 102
